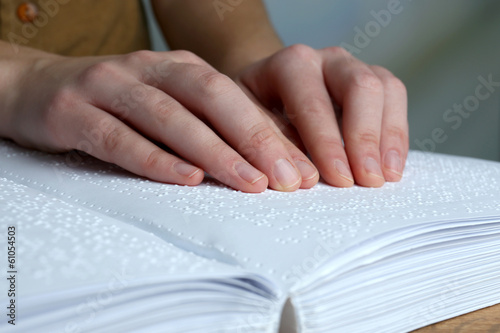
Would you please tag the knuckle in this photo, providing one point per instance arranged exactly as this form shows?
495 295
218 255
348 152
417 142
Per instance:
367 138
188 56
215 84
261 136
396 133
316 107
394 84
367 80
164 110
297 53
112 140
97 72
153 161
338 51
142 56
327 140
62 100
388 79
301 51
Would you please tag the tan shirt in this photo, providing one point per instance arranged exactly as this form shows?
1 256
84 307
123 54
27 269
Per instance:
75 27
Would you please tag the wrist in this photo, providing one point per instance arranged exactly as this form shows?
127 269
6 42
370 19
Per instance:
254 48
17 69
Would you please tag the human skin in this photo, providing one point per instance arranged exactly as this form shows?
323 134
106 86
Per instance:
236 104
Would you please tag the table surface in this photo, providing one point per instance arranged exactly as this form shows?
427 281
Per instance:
486 320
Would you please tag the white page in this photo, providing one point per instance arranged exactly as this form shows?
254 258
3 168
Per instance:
78 270
280 235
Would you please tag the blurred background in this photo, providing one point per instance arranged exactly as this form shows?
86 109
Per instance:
445 52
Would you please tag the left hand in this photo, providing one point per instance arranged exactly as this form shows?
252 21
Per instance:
302 89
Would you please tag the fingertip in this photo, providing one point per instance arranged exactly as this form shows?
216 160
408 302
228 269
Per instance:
189 174
369 174
372 181
291 188
259 186
344 173
392 177
393 166
336 172
253 180
339 182
287 177
195 179
307 184
309 173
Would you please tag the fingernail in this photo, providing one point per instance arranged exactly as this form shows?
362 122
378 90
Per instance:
392 161
306 170
285 173
343 170
248 172
372 167
185 169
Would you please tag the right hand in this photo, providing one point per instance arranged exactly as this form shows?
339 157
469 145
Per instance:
110 106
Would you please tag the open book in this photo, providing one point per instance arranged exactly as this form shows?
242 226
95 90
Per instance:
101 250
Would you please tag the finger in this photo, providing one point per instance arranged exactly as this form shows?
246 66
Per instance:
210 94
283 124
292 142
163 119
308 105
394 138
360 93
309 173
157 61
105 137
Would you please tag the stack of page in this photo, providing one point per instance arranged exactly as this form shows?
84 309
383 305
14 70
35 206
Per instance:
98 249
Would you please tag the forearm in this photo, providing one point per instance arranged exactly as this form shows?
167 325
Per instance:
228 39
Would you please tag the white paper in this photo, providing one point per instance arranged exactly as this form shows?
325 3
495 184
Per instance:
297 240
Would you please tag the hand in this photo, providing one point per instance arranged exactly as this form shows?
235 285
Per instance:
110 106
306 86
